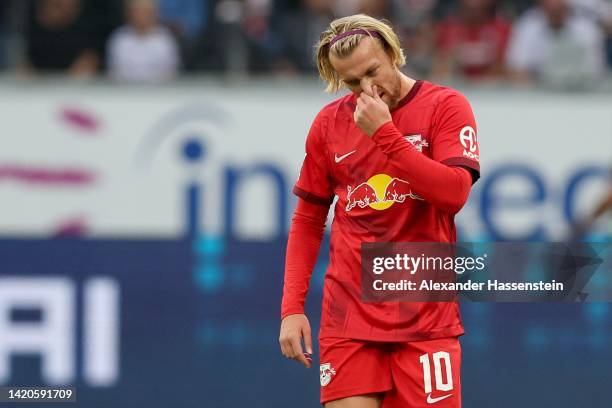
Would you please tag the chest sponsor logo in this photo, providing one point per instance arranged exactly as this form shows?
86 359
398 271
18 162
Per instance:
379 192
417 141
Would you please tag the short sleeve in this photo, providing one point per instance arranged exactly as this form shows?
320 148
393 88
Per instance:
454 136
314 182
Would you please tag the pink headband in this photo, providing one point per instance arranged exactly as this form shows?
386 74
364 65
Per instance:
352 32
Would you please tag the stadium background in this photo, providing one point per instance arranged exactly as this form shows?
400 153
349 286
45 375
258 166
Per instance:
144 220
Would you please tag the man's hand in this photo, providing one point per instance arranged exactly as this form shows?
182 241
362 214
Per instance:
371 112
293 329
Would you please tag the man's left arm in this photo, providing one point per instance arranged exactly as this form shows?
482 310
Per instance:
444 180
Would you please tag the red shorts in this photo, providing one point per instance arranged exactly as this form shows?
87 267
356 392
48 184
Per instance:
408 375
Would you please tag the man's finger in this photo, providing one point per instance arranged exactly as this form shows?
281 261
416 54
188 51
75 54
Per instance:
357 112
296 347
291 353
307 339
294 352
284 348
298 354
366 97
376 95
306 361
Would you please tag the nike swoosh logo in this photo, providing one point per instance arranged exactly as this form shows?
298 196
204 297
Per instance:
338 159
434 400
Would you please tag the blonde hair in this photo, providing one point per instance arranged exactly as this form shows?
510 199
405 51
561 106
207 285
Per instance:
343 47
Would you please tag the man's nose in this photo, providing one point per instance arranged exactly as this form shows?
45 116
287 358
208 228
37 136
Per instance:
366 85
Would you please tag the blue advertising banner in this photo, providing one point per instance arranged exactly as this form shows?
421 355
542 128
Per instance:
194 323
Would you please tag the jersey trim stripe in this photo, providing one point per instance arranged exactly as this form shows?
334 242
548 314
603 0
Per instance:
471 165
315 199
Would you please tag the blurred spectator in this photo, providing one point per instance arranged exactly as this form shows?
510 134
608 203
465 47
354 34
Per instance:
103 17
472 43
300 32
142 50
555 39
263 45
60 39
244 36
599 11
3 34
344 7
552 43
187 20
411 14
414 23
418 41
375 8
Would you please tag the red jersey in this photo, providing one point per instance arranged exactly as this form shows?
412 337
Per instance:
376 204
476 49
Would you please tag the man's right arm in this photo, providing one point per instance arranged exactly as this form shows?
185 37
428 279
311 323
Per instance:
316 194
305 236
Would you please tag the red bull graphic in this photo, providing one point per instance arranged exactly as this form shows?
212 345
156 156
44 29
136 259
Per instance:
362 196
380 192
397 190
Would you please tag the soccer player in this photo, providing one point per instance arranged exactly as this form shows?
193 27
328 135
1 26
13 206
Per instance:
582 227
401 156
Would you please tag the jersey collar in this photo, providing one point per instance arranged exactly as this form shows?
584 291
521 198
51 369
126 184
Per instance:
410 95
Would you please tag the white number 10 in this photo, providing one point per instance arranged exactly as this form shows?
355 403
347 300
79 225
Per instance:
441 384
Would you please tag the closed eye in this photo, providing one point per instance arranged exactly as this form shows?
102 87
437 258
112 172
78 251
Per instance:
369 73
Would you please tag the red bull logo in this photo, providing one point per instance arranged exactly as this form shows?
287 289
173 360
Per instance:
380 192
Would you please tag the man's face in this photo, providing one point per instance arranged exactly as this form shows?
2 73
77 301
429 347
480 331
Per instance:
366 66
555 10
58 13
143 15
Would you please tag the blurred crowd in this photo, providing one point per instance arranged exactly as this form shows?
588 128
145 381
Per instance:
567 41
